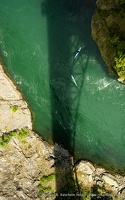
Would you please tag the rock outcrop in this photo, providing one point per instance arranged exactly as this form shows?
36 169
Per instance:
28 168
32 169
96 178
108 30
14 112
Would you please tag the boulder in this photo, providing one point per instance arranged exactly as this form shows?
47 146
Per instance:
85 171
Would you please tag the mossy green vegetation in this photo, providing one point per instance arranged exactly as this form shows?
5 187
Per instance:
116 38
44 190
20 134
45 186
108 29
14 108
122 1
117 43
49 178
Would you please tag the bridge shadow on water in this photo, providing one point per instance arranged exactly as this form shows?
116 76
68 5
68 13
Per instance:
69 28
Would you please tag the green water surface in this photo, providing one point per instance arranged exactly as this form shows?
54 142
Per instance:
38 42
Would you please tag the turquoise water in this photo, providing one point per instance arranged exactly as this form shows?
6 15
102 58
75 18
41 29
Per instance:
38 42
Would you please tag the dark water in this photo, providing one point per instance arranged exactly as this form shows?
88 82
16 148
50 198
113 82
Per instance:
38 42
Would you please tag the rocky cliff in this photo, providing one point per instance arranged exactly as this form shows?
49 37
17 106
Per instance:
108 30
31 169
14 112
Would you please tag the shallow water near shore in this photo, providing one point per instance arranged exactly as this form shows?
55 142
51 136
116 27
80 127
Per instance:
74 101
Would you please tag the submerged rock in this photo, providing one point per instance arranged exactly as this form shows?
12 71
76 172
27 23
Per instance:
108 30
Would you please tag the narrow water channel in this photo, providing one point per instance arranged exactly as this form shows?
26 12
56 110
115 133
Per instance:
74 101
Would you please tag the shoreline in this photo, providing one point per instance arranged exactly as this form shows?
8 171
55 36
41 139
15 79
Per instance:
88 175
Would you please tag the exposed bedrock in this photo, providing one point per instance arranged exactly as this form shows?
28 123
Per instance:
108 31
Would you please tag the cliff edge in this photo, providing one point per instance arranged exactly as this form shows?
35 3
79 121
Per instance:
108 31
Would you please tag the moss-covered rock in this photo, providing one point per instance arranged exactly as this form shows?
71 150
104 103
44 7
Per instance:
20 134
14 108
108 30
47 184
